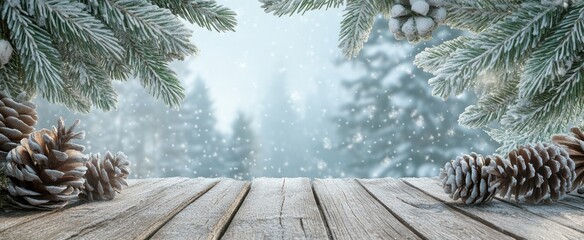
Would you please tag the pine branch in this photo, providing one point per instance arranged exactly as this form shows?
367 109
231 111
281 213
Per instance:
69 21
500 46
289 7
551 112
11 78
154 74
491 107
356 25
558 106
548 62
205 13
479 15
149 23
432 59
39 59
88 78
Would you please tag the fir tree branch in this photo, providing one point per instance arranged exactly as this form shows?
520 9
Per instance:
500 46
548 61
205 13
289 7
69 21
88 78
432 59
39 59
477 16
557 106
550 112
491 106
150 23
356 25
11 78
154 74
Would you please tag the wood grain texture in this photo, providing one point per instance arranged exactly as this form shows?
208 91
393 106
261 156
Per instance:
278 209
145 219
13 218
503 216
131 214
352 213
574 200
430 218
208 216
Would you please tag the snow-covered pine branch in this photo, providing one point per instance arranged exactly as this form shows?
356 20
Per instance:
70 51
478 15
524 58
205 13
356 25
289 7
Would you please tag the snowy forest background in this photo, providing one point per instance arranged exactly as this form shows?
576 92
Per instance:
277 99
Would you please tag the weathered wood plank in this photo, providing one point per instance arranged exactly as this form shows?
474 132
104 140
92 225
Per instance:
566 215
429 217
352 213
144 220
16 217
133 214
574 200
499 215
278 209
208 216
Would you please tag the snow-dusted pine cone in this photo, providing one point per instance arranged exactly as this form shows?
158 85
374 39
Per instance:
17 120
466 178
575 147
104 178
5 52
46 170
534 173
415 20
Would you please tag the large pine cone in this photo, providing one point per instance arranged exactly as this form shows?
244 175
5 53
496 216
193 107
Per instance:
17 120
534 173
104 178
46 170
575 147
466 178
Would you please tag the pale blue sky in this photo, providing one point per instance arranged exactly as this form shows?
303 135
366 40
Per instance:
238 65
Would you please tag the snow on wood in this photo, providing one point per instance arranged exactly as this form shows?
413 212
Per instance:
352 213
502 216
278 209
180 208
426 215
132 214
209 216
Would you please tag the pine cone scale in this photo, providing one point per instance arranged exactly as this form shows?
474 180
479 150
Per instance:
43 175
574 144
105 176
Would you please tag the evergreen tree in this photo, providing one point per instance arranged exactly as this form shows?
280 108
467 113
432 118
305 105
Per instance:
71 51
523 57
324 158
205 147
392 126
243 148
283 142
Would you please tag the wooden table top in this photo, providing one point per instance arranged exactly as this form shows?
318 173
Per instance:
295 208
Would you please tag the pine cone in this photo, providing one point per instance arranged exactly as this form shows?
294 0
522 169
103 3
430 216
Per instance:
415 20
534 173
575 147
105 178
466 178
17 120
46 170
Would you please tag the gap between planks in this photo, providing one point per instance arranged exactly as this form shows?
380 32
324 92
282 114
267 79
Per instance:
515 221
16 218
